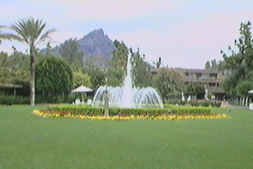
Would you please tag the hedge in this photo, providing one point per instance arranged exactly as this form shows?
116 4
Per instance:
193 103
88 110
10 100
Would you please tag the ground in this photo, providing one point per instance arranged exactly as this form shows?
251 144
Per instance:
30 141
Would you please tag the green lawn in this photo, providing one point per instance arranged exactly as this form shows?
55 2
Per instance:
29 141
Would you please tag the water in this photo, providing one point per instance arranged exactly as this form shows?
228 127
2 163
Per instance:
127 96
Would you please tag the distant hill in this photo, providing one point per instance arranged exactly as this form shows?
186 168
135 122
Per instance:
95 45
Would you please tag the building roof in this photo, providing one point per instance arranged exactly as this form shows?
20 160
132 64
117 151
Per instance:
10 86
190 70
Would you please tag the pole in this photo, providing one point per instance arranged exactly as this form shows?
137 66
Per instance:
106 105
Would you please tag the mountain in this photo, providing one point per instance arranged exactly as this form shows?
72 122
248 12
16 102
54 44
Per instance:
95 45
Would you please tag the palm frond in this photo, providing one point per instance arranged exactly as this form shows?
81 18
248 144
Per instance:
10 36
29 31
45 35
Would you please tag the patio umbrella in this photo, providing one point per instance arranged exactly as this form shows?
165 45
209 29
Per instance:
82 89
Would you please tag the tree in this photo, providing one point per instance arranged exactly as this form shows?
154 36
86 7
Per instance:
215 65
117 68
207 65
169 82
12 72
54 77
3 59
243 88
18 61
70 51
194 89
29 31
81 79
22 77
140 70
158 63
97 77
0 34
240 64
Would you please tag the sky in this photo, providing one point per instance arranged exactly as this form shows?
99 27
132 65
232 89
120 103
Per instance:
184 33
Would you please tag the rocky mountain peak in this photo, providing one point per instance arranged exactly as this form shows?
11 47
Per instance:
94 45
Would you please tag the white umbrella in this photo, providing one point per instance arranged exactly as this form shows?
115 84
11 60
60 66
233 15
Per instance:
82 89
251 91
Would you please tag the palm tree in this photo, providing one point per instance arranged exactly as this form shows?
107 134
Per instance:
29 31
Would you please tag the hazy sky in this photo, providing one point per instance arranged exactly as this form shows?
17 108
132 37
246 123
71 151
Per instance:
184 33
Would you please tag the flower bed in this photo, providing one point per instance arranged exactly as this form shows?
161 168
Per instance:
67 114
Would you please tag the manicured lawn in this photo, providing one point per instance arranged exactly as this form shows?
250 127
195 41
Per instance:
29 141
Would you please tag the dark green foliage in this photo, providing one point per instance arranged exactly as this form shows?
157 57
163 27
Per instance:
194 88
12 100
240 64
6 74
117 68
97 77
140 70
207 65
158 63
113 81
168 103
54 77
54 99
14 70
78 109
18 61
81 79
243 88
3 59
87 110
215 65
169 82
70 51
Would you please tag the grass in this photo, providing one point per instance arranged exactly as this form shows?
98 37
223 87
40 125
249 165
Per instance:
29 141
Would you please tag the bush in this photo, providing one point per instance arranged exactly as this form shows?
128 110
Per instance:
193 103
54 79
54 99
88 110
78 109
10 100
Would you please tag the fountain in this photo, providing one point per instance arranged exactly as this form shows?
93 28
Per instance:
127 96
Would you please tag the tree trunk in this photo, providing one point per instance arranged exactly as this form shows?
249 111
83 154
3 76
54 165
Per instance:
32 80
247 101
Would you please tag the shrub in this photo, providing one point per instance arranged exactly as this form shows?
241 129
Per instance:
54 99
88 110
54 77
193 103
78 109
10 100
